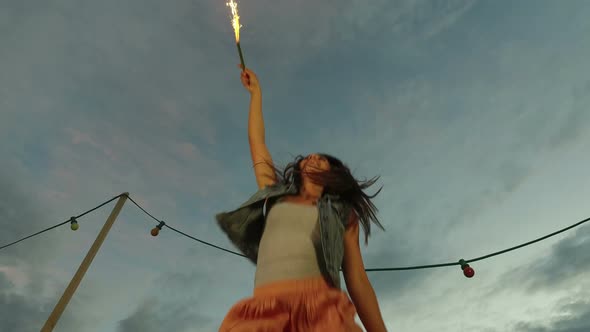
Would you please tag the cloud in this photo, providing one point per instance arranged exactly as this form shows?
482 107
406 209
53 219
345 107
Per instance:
28 289
394 283
337 23
411 20
152 315
192 293
21 213
98 99
446 15
143 319
127 163
19 312
121 104
569 317
576 119
566 265
407 19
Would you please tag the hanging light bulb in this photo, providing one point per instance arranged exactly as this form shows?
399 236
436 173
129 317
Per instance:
468 271
156 230
74 224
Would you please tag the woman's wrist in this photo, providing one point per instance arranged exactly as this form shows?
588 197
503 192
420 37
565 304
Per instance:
256 93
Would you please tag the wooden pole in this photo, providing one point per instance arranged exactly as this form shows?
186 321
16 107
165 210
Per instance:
69 292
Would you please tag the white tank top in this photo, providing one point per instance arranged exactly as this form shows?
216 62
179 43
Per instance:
290 244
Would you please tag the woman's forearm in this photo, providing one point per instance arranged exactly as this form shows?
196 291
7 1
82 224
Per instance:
255 119
364 299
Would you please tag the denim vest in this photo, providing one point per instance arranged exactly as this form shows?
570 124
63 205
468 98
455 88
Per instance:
244 226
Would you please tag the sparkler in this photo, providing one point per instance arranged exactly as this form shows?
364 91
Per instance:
235 22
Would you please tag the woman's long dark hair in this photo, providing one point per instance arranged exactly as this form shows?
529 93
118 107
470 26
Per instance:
339 181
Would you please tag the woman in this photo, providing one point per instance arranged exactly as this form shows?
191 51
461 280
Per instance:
299 229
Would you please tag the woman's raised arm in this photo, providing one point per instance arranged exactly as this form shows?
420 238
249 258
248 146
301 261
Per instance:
261 159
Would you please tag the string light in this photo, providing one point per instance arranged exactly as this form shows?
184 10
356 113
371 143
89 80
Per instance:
60 224
74 224
468 271
156 230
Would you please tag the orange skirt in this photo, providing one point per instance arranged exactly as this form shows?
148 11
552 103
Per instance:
306 305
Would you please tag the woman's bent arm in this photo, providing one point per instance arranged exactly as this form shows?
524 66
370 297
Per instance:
358 284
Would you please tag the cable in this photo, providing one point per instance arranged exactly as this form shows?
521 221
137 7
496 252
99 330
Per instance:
60 224
209 244
241 255
391 268
482 257
180 232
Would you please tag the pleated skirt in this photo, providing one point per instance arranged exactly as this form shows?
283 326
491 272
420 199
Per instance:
305 305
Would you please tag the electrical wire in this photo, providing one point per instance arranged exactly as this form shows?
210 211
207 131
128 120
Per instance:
60 224
182 233
241 255
482 257
393 268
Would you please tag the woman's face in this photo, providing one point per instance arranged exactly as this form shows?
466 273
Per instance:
314 163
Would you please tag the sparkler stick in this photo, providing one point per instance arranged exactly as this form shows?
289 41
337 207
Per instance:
241 56
235 22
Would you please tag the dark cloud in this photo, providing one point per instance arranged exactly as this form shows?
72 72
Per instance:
135 76
387 283
568 261
576 318
566 265
29 311
25 308
501 179
5 283
189 293
19 216
393 247
154 315
19 312
577 118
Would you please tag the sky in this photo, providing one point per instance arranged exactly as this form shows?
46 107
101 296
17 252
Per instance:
475 115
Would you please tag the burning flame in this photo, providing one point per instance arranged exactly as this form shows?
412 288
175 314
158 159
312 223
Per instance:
235 21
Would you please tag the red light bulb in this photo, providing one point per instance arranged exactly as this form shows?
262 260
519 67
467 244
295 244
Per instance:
469 272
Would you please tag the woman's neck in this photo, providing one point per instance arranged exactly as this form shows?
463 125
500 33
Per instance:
309 195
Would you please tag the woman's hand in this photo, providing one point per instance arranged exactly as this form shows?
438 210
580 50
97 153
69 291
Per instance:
249 80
